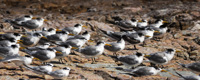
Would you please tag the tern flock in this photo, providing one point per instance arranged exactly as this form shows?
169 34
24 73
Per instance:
38 46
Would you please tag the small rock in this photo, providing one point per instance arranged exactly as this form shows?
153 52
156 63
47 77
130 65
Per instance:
183 55
91 9
177 35
133 9
194 54
196 25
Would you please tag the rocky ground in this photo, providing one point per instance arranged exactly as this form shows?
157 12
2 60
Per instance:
183 16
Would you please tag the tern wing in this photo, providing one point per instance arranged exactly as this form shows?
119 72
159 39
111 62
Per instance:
128 59
156 57
89 50
143 71
194 66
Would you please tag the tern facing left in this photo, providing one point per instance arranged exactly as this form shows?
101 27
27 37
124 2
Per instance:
116 46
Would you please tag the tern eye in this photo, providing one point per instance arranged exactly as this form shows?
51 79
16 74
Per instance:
170 50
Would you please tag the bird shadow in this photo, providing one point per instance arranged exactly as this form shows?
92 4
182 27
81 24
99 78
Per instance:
55 62
34 76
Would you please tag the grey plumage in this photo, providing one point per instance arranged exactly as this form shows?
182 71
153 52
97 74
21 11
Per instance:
42 55
189 77
9 51
192 66
18 60
144 71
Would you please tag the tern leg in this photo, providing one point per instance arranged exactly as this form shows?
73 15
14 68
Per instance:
153 65
61 61
93 60
156 39
144 43
67 59
135 48
21 68
115 54
44 63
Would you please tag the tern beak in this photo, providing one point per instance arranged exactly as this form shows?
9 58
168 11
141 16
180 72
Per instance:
71 34
58 52
34 17
90 41
164 71
74 48
157 31
58 30
24 36
22 48
140 21
45 20
147 36
44 37
165 22
108 44
35 58
147 56
19 40
84 26
177 51
2 32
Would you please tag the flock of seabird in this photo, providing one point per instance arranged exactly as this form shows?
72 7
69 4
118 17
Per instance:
38 46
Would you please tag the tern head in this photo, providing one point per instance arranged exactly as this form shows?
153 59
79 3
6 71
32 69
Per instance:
170 50
49 64
48 44
159 21
67 46
77 25
12 40
134 20
16 34
66 68
37 34
120 39
144 20
139 54
100 42
159 69
51 29
51 49
84 33
15 46
62 32
44 29
28 56
82 38
163 26
28 16
140 34
149 29
39 19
